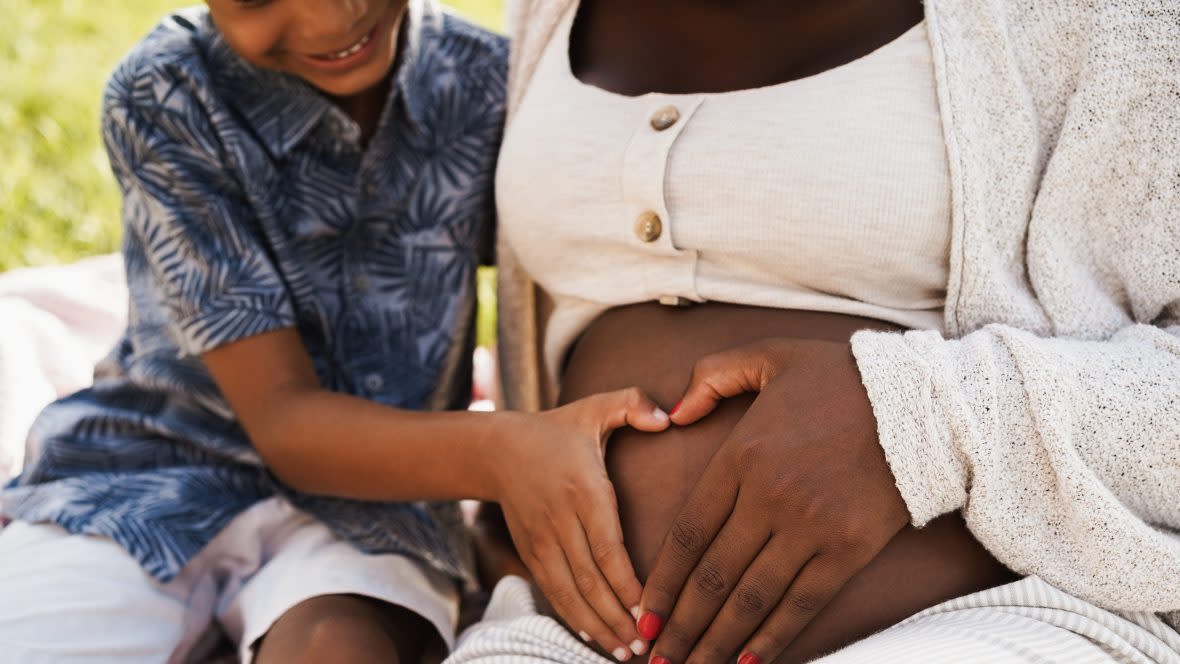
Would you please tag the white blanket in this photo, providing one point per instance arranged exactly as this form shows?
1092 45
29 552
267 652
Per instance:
55 324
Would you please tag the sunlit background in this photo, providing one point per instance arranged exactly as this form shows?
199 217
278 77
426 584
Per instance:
58 202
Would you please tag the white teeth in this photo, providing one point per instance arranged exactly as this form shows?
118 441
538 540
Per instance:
351 50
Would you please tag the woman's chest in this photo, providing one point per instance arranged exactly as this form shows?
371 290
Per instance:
680 46
845 171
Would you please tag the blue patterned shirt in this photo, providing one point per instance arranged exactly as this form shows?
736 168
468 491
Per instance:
250 205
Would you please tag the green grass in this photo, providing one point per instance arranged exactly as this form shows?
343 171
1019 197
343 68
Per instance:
58 201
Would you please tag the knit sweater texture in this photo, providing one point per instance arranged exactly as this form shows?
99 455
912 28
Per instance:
1049 409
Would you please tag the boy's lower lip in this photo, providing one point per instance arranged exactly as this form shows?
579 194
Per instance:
354 59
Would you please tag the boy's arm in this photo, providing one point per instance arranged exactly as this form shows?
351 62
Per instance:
546 469
321 442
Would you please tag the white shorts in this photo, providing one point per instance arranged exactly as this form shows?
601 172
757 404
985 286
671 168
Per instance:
77 598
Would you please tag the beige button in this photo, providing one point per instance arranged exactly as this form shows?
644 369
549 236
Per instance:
664 118
648 227
674 301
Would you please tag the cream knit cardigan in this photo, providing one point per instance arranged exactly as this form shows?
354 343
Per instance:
1050 412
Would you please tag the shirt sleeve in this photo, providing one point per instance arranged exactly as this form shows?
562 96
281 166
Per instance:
205 252
1063 454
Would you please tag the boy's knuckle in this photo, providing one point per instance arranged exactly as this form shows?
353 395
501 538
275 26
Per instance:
604 551
633 397
585 580
561 596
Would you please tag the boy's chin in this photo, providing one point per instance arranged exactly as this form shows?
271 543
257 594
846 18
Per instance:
349 85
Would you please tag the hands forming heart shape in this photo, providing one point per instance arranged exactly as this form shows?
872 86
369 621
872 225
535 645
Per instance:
795 502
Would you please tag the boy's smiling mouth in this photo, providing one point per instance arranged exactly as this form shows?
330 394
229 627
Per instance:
363 50
351 50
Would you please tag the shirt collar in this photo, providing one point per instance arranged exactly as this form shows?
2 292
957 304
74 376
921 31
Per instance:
282 109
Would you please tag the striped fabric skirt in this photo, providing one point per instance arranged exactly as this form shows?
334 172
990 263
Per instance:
1024 621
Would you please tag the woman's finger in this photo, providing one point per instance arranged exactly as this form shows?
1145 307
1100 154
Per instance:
709 585
594 587
758 592
728 374
556 580
704 513
816 584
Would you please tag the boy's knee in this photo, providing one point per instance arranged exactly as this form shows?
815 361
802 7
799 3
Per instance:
348 639
334 629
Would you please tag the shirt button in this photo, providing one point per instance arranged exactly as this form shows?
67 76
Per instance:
648 227
674 301
374 382
370 190
664 118
360 283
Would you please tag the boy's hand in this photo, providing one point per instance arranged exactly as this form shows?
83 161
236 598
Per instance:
560 508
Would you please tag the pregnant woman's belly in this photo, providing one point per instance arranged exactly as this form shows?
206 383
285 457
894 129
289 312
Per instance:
655 347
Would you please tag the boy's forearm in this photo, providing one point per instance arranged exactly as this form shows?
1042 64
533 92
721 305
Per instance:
334 444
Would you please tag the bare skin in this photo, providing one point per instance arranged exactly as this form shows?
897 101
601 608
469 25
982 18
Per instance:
655 347
688 46
346 629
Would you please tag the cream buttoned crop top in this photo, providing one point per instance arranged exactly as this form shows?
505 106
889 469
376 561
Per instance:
827 193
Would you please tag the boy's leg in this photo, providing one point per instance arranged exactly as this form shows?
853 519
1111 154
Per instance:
347 629
77 598
314 590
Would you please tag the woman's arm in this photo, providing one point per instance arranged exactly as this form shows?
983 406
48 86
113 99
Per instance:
1063 454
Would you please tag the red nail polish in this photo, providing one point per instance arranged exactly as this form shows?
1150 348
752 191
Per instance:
659 659
676 407
749 658
649 626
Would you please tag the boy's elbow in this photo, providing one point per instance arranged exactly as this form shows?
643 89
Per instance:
280 437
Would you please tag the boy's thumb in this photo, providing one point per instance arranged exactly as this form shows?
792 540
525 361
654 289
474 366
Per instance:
632 407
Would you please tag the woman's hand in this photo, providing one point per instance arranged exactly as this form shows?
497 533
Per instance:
796 500
550 480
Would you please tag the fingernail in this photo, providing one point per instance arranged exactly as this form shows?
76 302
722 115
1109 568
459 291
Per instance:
584 636
649 626
638 647
659 659
749 658
676 407
621 654
659 415
635 612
